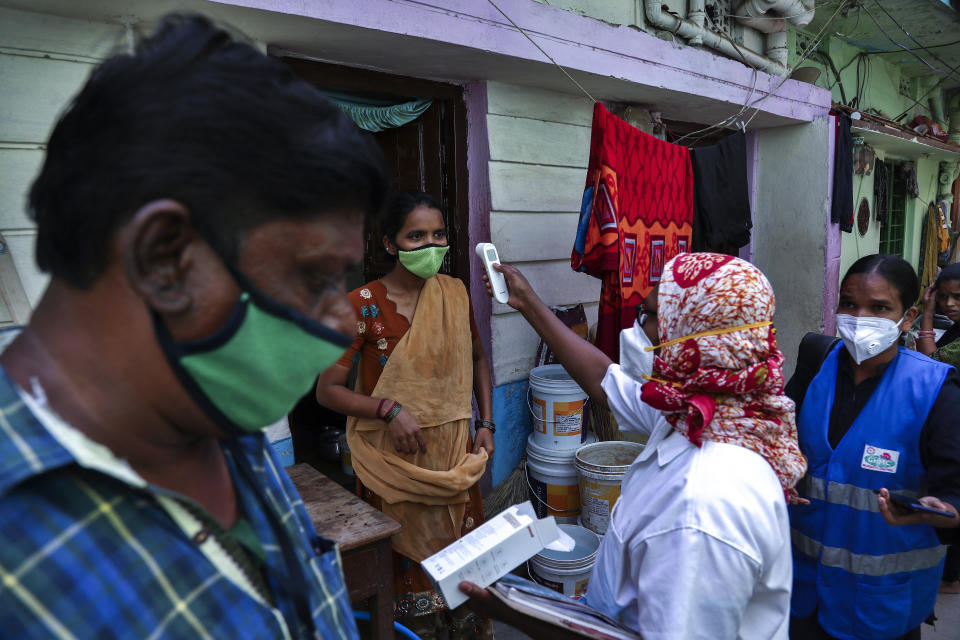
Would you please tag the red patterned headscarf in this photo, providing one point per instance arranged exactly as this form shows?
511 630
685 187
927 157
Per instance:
725 382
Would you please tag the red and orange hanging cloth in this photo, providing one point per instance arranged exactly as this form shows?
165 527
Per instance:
637 213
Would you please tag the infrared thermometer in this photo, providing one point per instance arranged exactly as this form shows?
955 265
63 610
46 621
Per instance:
488 253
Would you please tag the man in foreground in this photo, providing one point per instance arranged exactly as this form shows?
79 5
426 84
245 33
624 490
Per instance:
197 210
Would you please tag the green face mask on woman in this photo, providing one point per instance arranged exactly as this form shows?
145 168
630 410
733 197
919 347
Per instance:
424 262
254 369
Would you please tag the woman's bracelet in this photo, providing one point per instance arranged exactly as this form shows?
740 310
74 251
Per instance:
380 408
394 411
485 424
926 333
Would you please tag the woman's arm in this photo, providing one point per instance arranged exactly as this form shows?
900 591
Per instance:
333 393
483 392
584 362
926 339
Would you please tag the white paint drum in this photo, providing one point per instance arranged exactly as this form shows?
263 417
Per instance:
567 571
553 481
557 405
601 467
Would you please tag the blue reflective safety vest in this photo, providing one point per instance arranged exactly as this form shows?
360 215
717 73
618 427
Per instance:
863 577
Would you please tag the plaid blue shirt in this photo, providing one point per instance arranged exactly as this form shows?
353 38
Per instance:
90 550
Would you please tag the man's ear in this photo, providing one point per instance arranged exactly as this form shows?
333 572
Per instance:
156 257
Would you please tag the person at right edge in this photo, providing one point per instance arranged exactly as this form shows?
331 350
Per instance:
943 296
877 418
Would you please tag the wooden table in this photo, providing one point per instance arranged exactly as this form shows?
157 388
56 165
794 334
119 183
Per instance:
363 534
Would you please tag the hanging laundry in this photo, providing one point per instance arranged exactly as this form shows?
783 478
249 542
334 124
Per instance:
863 158
943 235
881 193
909 172
721 203
841 210
930 246
637 214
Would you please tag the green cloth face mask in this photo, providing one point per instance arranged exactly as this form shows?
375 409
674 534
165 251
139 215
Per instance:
258 365
425 261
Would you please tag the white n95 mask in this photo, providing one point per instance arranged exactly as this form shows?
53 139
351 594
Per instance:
867 336
635 360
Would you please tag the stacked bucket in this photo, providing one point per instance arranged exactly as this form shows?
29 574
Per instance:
571 476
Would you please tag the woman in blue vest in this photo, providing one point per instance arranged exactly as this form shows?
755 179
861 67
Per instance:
875 418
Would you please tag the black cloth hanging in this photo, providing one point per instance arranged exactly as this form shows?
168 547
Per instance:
881 192
721 202
909 172
842 209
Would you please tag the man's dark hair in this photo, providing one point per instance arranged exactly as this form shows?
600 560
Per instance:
195 116
895 270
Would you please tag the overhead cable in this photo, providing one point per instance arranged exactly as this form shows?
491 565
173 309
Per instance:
913 53
549 57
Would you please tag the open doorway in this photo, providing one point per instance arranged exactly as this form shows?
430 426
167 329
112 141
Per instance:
426 154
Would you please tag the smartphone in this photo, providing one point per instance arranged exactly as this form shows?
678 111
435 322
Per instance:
913 505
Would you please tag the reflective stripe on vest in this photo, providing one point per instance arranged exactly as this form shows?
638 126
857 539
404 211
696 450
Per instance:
846 494
914 560
847 560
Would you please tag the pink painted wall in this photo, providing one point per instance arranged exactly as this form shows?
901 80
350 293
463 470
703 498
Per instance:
617 62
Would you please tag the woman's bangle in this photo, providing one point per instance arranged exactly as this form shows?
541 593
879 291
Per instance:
926 333
394 411
380 408
485 424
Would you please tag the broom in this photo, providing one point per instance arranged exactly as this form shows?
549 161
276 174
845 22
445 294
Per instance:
512 490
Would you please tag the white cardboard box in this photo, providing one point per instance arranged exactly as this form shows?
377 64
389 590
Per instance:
490 551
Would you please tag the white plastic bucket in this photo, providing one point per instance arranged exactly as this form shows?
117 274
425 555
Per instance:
601 467
567 571
557 404
553 481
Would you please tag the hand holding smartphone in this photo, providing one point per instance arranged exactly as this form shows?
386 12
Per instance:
913 504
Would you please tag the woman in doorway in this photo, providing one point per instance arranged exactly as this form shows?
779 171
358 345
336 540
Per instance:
420 362
943 297
876 418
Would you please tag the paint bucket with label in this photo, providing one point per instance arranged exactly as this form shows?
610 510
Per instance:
552 477
567 571
601 467
557 404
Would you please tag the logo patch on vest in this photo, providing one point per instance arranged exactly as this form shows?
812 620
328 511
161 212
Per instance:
877 459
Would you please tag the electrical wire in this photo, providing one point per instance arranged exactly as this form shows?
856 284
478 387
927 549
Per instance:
836 74
913 53
729 119
921 48
817 39
915 41
855 27
549 57
927 93
810 49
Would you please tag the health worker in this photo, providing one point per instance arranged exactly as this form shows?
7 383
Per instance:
876 419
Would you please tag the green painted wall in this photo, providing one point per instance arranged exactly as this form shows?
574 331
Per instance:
885 90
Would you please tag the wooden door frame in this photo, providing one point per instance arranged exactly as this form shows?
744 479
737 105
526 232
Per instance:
378 83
